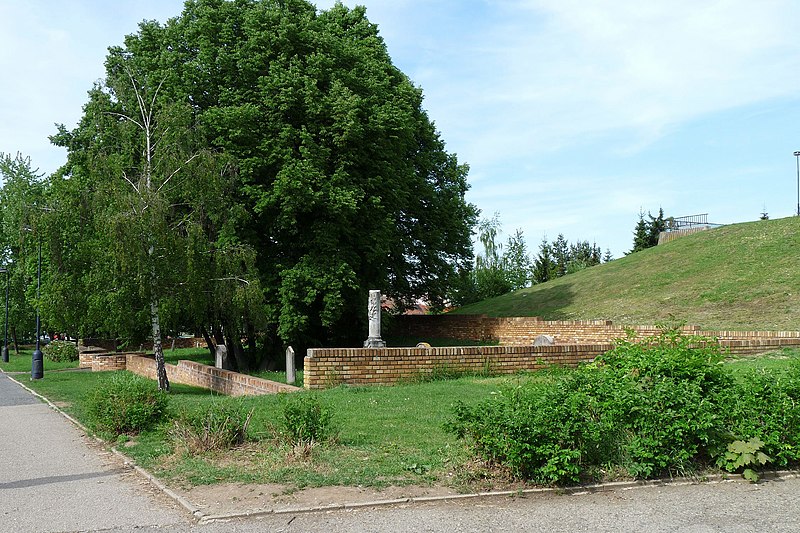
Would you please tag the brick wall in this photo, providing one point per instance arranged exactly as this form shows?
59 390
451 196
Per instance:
523 330
187 373
209 377
325 367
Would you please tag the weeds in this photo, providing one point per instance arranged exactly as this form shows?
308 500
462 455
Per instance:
221 427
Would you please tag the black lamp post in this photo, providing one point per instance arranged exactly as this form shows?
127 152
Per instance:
797 157
37 363
5 337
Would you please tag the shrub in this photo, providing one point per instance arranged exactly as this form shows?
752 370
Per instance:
127 403
305 419
650 407
538 432
766 405
60 351
221 427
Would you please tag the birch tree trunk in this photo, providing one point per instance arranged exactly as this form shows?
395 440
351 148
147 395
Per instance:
155 321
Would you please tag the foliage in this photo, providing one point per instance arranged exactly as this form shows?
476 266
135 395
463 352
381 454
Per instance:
126 404
559 258
765 404
648 407
223 425
744 455
293 169
305 419
60 351
360 456
500 269
22 204
646 233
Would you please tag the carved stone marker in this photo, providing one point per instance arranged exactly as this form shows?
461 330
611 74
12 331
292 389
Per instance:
544 340
291 374
221 357
374 314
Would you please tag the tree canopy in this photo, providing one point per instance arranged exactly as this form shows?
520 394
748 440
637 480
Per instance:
292 168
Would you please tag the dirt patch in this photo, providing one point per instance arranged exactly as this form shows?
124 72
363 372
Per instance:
225 498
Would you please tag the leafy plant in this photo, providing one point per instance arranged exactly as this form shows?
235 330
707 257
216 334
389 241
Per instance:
60 351
220 427
647 408
305 419
126 404
744 455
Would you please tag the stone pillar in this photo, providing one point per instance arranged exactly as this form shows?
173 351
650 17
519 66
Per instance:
222 359
374 314
291 374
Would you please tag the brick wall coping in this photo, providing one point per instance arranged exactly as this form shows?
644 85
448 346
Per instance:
187 373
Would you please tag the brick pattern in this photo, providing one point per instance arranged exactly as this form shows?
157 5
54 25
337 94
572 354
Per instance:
326 367
576 341
187 373
523 330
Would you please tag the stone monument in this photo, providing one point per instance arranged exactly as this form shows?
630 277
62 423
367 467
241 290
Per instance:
374 314
291 374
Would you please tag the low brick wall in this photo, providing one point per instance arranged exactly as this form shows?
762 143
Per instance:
523 330
185 372
326 367
209 377
108 362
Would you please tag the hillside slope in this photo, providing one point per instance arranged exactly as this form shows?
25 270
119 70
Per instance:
742 276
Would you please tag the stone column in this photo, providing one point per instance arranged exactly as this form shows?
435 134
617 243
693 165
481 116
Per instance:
374 314
291 374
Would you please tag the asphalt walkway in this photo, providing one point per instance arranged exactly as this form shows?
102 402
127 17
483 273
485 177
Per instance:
53 478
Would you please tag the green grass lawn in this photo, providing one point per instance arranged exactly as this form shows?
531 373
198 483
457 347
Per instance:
22 362
779 361
384 435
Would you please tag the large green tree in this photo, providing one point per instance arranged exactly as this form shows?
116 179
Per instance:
22 204
323 175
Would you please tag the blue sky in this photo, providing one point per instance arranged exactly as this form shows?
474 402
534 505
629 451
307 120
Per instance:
572 114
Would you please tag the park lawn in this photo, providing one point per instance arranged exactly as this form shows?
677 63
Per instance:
23 361
778 361
384 435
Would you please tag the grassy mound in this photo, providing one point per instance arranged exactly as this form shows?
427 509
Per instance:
741 276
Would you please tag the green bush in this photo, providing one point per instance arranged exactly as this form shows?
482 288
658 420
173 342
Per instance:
60 351
305 419
766 404
221 427
659 406
125 404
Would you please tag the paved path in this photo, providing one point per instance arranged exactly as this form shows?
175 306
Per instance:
54 479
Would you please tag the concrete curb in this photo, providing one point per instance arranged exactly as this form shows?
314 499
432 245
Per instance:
204 518
574 491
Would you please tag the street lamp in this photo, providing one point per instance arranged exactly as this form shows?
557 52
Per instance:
5 337
37 362
797 158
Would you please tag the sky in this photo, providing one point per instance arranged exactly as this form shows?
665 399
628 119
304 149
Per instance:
574 115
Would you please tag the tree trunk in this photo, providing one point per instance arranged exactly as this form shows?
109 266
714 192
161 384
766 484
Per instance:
158 349
210 343
14 339
234 346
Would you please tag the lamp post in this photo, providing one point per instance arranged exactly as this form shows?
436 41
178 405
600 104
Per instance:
37 360
5 337
797 158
